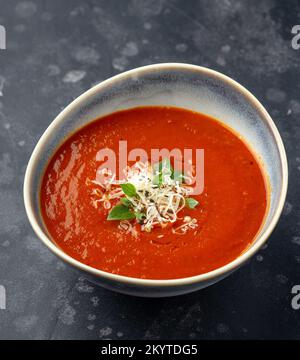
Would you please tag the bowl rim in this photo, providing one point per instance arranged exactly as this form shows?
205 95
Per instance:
209 276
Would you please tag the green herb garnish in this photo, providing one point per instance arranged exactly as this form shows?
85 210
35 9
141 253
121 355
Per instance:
149 204
126 202
191 203
129 189
120 212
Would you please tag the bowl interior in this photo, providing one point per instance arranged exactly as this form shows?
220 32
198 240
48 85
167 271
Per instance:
193 88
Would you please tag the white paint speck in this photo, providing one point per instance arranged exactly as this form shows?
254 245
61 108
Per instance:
21 143
95 301
225 48
120 63
83 287
119 334
259 258
106 331
296 240
130 49
74 76
91 317
181 47
67 315
79 10
6 126
282 279
86 55
147 26
91 327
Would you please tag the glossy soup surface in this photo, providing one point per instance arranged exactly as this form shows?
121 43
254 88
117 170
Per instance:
230 212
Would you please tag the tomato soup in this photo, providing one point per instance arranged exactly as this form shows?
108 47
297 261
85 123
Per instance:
215 227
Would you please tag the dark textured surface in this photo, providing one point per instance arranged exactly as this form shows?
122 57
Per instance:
55 51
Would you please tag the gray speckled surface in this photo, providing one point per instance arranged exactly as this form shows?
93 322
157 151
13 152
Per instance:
55 51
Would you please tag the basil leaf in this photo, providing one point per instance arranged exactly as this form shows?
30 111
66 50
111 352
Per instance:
126 202
191 203
120 212
128 189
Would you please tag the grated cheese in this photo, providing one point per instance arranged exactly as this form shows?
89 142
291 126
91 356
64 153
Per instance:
159 204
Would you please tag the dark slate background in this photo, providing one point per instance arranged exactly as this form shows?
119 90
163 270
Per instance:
58 49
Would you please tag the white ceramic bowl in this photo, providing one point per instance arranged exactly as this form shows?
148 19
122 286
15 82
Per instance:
182 85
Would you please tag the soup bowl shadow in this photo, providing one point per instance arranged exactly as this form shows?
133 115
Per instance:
172 84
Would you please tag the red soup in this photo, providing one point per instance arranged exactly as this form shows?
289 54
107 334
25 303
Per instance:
158 229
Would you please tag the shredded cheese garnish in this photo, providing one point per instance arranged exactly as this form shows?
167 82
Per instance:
157 198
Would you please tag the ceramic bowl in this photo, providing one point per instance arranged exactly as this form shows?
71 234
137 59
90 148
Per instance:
182 85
